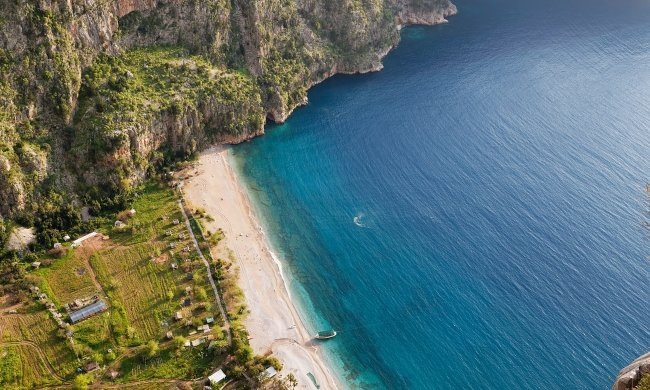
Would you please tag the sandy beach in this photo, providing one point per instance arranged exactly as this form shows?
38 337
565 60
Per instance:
273 322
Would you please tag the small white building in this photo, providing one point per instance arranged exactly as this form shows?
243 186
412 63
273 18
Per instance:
66 238
197 342
270 372
80 240
57 245
217 377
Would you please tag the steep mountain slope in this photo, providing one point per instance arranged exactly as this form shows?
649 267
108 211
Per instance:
94 94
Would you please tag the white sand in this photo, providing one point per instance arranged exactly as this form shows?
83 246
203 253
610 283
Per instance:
273 322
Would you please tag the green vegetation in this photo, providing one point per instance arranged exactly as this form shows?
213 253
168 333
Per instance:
133 94
644 384
67 278
151 350
34 327
81 382
138 336
21 367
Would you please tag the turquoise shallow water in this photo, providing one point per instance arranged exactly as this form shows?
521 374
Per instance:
472 216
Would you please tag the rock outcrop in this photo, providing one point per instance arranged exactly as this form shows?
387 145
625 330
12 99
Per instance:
74 109
630 376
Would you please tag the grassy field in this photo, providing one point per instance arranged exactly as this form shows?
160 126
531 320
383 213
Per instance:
137 270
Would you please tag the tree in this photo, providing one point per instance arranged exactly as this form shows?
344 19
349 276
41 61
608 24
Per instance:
170 295
81 382
98 357
110 356
220 345
293 382
151 349
201 294
179 342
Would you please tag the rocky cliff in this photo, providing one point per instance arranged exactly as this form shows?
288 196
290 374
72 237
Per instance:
96 93
631 376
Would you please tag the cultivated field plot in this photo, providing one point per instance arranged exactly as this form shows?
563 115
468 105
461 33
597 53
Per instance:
151 267
70 277
146 273
23 367
156 209
140 284
39 329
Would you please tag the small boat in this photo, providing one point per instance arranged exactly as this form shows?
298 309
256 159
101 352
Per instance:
326 334
313 379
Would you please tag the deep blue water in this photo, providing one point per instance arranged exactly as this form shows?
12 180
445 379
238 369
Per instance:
496 168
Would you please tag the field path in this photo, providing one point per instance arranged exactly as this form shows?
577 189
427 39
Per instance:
127 385
139 383
12 307
40 353
207 266
90 247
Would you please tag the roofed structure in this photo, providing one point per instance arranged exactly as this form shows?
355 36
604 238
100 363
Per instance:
270 372
217 377
90 367
87 311
79 240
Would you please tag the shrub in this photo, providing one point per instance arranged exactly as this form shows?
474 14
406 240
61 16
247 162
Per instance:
81 382
124 215
201 294
152 349
58 252
179 342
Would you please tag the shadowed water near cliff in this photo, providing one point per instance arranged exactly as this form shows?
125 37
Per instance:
470 217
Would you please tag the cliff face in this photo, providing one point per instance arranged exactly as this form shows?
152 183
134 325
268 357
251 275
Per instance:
94 93
630 376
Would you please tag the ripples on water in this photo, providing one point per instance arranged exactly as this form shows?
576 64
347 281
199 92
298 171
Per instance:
501 160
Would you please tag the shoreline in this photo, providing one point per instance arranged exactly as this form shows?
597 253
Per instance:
408 20
274 323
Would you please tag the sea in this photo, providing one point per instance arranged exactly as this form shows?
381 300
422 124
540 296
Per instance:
475 215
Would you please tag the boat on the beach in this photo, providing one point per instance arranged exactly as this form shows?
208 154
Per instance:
326 334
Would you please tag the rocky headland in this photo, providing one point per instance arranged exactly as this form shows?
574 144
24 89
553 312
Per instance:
630 377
